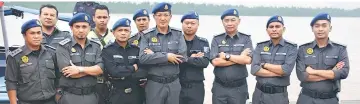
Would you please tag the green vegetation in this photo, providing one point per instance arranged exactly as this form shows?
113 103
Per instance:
202 9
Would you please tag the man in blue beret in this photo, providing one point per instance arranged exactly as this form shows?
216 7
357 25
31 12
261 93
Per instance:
162 49
80 63
230 52
321 64
191 72
272 63
30 69
121 62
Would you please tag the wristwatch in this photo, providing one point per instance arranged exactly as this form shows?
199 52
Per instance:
262 65
227 57
59 91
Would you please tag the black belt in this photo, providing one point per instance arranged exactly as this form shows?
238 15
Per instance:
51 99
189 84
270 89
163 80
235 83
318 95
80 91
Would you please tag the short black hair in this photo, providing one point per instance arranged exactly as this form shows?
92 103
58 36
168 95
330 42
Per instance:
101 7
49 6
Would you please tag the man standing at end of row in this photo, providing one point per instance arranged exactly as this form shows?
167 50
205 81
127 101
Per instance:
198 52
272 64
79 62
321 64
163 48
230 52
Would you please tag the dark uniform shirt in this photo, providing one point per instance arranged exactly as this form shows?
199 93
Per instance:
161 44
135 41
69 49
192 70
325 58
88 8
119 61
31 73
283 54
55 37
234 45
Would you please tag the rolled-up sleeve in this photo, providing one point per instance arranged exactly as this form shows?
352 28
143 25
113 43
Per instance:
256 61
344 71
62 57
214 50
11 76
290 60
300 66
99 60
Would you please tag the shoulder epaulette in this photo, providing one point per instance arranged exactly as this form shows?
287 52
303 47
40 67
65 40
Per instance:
65 41
107 45
92 40
290 42
219 34
177 29
15 52
148 30
337 43
50 47
306 43
263 42
203 39
243 34
66 32
133 35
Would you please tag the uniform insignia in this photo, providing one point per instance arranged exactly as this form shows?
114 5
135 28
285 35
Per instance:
266 49
86 18
154 39
235 12
127 23
97 42
73 50
223 42
38 22
145 12
309 51
291 42
148 30
166 7
206 49
25 59
196 14
279 18
135 42
203 39
50 47
128 90
328 16
63 42
15 52
174 28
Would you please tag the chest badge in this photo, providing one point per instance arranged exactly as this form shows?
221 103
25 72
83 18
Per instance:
309 51
25 59
154 39
73 50
223 42
266 49
135 42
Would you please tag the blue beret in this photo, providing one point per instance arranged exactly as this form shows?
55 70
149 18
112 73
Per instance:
79 17
275 18
30 24
321 16
162 7
140 13
190 15
230 12
123 22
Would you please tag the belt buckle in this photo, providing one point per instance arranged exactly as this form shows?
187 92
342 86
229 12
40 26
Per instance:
128 90
268 89
100 79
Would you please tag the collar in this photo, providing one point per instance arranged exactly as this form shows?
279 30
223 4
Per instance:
118 45
27 51
73 42
314 43
236 36
281 42
157 31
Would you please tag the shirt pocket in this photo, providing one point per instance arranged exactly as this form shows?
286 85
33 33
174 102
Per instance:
330 61
26 72
280 58
76 58
173 46
155 47
132 59
118 59
265 57
90 57
310 60
238 48
49 64
225 49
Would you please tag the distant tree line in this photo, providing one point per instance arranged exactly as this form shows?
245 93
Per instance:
202 9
